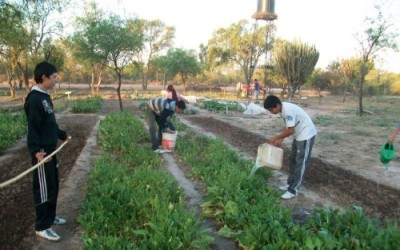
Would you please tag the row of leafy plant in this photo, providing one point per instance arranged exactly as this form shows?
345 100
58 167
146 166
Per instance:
131 203
87 105
213 105
13 126
249 210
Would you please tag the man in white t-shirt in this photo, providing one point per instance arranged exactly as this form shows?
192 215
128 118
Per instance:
299 124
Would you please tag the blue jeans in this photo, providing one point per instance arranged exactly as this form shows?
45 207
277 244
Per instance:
256 92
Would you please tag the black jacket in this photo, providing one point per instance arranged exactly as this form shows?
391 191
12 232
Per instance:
43 131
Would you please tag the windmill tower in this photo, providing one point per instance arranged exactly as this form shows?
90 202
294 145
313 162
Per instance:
266 12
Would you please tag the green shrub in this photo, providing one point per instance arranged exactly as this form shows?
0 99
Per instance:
87 105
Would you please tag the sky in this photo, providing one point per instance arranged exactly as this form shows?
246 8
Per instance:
330 25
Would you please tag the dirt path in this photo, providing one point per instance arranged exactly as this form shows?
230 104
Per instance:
194 199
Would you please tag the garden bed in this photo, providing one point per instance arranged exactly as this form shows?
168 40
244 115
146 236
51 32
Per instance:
336 183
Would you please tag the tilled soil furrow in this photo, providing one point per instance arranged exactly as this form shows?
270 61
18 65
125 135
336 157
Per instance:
344 187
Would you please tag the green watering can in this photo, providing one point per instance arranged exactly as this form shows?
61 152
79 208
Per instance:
387 152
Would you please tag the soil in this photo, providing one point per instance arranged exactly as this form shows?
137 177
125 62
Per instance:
326 183
17 210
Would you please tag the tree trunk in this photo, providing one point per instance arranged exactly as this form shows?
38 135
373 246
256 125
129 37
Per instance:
164 81
360 94
344 95
12 88
144 81
145 78
184 84
319 96
92 81
99 82
119 74
25 75
291 92
360 97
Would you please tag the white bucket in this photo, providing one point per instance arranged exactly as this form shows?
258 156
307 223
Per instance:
269 156
169 140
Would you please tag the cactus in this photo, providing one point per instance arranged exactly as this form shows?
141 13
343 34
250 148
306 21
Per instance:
296 61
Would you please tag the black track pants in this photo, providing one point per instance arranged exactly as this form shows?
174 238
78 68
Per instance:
45 194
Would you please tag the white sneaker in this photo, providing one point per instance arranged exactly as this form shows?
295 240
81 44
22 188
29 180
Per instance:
288 195
49 234
59 221
284 187
160 151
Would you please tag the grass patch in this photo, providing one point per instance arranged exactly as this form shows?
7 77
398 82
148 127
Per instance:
329 138
360 132
12 127
324 120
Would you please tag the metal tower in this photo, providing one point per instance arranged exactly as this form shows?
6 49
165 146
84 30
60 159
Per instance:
266 11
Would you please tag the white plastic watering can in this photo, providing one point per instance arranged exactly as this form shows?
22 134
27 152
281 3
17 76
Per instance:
268 156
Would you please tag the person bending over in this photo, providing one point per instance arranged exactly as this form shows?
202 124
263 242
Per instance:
159 114
299 125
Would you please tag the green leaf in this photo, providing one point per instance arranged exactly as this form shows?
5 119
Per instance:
231 208
225 232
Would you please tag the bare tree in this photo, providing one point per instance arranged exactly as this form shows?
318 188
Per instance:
376 37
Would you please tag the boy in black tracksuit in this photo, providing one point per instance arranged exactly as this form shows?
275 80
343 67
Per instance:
43 135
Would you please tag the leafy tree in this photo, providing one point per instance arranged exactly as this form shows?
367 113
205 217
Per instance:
296 61
377 82
377 36
12 42
351 72
336 78
156 38
110 41
241 44
203 57
53 52
395 86
319 79
118 41
161 64
84 43
39 28
179 62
